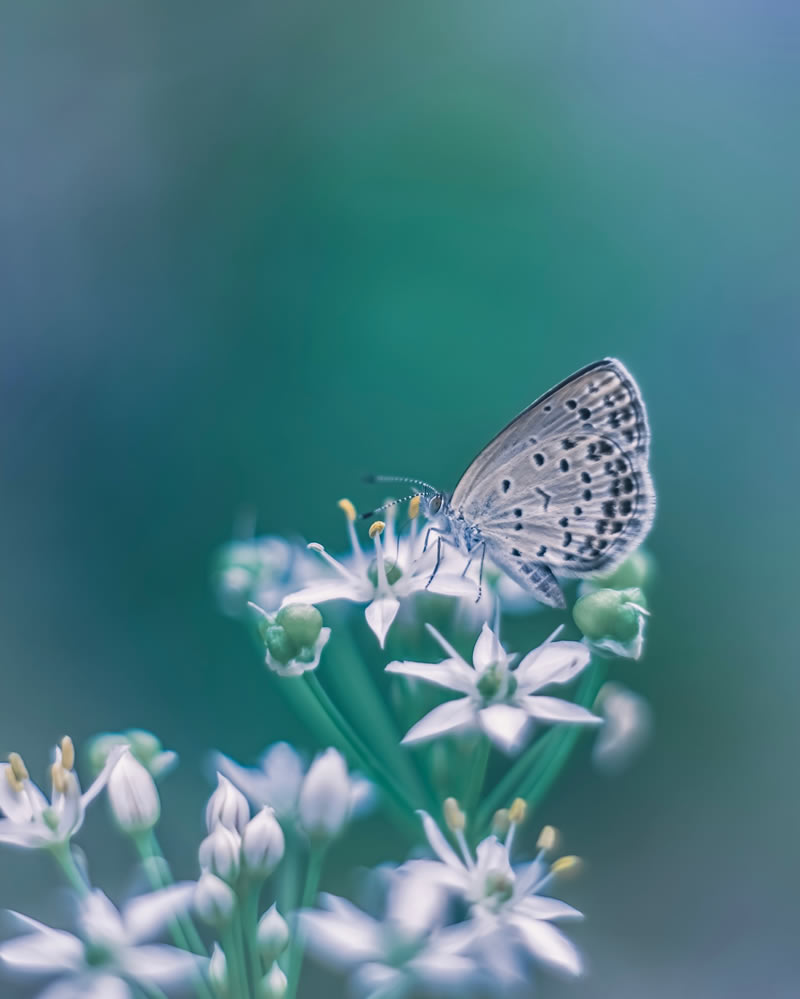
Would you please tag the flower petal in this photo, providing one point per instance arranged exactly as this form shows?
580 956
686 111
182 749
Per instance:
448 584
41 950
88 986
146 916
487 649
16 804
451 673
380 614
553 709
445 718
544 907
505 724
553 662
328 589
439 844
548 944
159 964
101 779
32 835
343 937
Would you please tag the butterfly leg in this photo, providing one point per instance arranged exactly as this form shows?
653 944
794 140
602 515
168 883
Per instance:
466 567
438 559
480 573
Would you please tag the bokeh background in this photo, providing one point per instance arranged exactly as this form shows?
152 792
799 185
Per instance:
251 251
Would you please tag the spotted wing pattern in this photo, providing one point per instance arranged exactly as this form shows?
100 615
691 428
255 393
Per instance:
565 487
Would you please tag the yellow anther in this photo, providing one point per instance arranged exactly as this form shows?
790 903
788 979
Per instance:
18 767
518 811
453 815
348 508
16 785
548 839
501 822
413 507
58 775
377 528
315 546
566 865
67 753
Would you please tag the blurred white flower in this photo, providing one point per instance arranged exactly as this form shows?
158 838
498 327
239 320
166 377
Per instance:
110 953
498 699
396 572
392 956
627 721
227 807
279 779
508 914
133 795
274 983
214 901
144 746
34 822
272 935
328 796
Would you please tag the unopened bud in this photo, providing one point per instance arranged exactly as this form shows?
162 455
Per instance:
214 901
132 795
324 800
612 620
272 935
227 807
262 844
219 853
273 984
218 970
301 622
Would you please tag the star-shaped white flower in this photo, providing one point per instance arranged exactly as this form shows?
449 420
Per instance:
110 952
34 822
508 914
497 698
398 570
281 783
402 951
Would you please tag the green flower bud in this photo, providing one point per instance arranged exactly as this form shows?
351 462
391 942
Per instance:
144 745
281 647
393 571
612 620
301 622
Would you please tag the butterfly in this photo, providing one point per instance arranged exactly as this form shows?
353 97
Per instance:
563 490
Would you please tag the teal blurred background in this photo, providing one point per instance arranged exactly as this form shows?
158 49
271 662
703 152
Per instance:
252 251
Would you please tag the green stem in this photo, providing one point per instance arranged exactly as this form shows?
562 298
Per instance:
249 927
480 761
504 792
295 960
73 874
361 753
234 962
287 874
237 927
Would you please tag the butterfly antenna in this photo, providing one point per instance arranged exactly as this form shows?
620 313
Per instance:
400 478
385 506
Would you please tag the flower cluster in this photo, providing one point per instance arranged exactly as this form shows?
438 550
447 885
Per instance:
455 712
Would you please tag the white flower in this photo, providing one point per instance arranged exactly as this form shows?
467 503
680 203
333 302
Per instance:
110 952
274 983
272 935
508 913
227 806
626 727
396 572
34 822
133 796
214 900
279 778
392 956
328 796
498 699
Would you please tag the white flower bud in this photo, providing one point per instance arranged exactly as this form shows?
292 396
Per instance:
324 801
272 935
262 844
214 901
227 806
220 853
273 984
218 968
133 796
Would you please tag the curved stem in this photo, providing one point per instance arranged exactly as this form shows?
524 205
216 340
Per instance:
73 874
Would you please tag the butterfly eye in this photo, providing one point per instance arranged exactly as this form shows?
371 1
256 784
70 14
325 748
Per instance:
435 504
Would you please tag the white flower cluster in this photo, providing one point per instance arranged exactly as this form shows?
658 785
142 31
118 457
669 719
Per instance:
453 747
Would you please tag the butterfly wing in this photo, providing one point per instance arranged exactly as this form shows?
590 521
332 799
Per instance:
565 487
